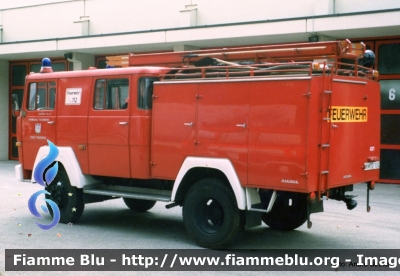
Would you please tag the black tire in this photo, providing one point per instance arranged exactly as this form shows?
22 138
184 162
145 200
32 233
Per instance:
139 205
68 199
211 215
289 211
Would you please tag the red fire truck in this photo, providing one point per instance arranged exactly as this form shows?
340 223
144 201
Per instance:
235 136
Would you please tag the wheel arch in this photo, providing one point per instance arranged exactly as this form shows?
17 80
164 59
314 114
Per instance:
66 157
197 168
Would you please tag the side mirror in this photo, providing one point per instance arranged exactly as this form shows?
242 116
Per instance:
15 105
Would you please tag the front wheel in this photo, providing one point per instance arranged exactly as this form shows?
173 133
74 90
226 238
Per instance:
211 215
68 198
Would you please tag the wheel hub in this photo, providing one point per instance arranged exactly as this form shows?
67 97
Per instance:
56 193
211 216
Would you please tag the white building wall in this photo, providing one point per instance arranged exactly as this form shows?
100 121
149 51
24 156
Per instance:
121 26
128 16
41 22
349 6
60 19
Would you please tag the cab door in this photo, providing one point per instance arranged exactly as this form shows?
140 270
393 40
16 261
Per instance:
38 125
108 127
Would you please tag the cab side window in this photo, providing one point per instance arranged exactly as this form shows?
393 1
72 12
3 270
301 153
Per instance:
111 93
145 92
41 96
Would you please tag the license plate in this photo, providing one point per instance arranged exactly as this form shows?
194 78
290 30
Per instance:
371 166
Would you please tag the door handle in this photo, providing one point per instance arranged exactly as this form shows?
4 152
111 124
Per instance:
123 123
51 122
241 125
188 124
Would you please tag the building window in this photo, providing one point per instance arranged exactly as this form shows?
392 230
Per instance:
18 74
111 94
55 66
389 58
390 94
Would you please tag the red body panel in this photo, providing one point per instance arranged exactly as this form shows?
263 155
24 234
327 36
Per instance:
278 128
139 145
277 132
173 135
353 142
222 119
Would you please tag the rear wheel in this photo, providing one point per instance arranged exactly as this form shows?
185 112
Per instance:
288 212
69 199
211 215
139 205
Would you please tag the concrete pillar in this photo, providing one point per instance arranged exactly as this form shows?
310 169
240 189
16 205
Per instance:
317 38
325 38
84 28
188 16
1 33
324 7
183 47
82 61
4 109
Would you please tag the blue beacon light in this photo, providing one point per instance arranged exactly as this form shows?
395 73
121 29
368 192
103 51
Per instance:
46 66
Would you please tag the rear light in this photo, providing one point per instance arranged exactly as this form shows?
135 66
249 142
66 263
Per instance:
375 73
372 163
371 185
82 147
372 158
18 144
315 66
311 197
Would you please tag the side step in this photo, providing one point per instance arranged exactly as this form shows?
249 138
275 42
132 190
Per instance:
129 192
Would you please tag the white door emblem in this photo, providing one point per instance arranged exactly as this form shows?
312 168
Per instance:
38 128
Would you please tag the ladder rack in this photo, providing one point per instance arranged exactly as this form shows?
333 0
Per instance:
256 54
266 60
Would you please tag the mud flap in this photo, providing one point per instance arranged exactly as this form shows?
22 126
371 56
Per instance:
314 207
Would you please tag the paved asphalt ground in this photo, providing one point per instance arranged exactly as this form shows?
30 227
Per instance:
111 225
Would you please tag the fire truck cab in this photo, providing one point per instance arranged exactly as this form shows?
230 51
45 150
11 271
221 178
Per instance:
235 136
